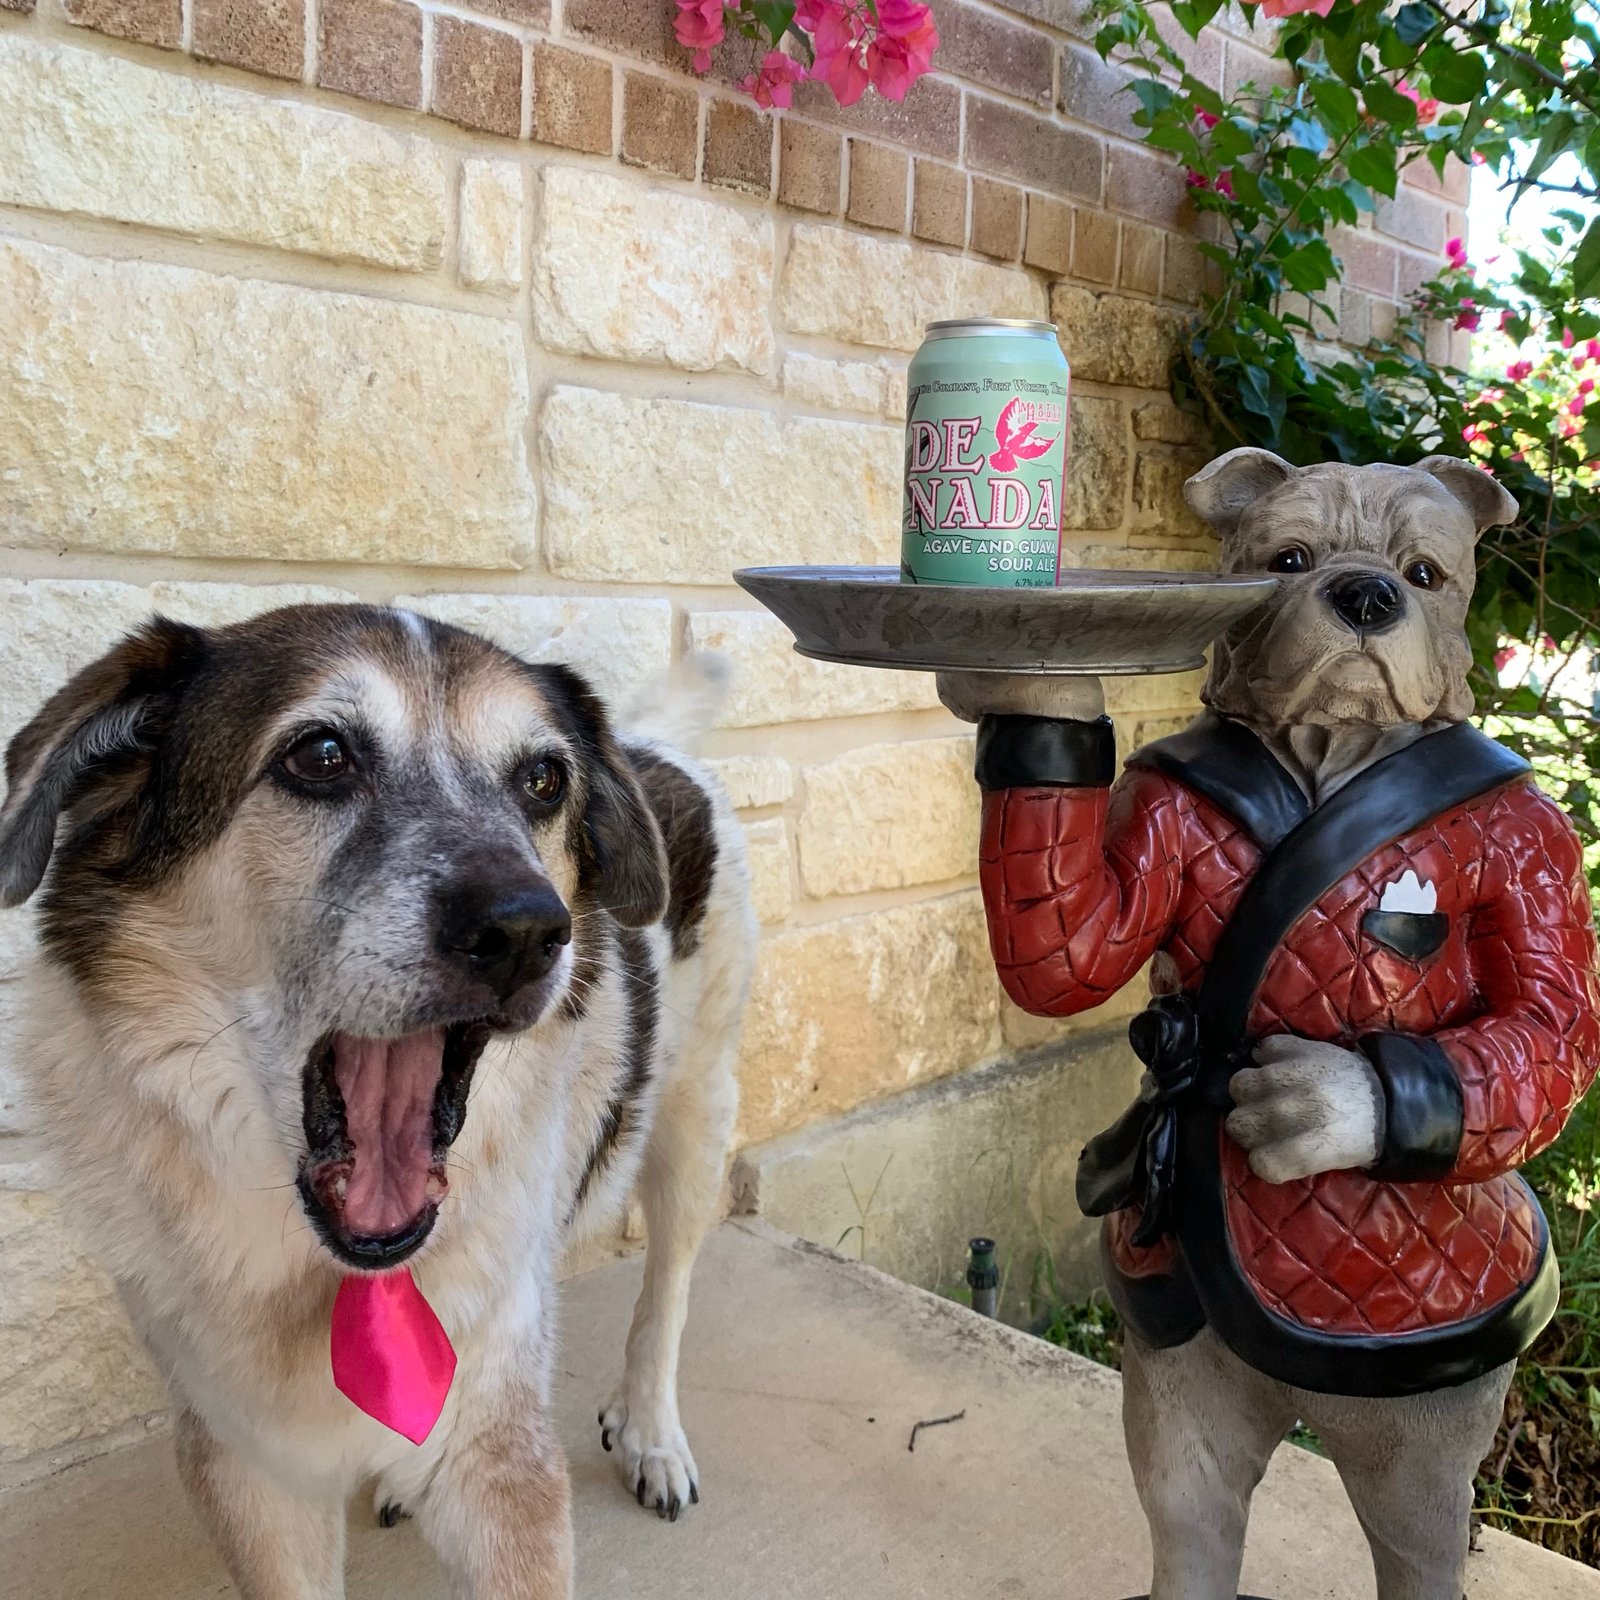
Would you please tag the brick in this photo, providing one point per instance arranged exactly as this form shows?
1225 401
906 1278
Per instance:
1244 66
266 36
1160 513
1412 272
865 290
772 685
199 414
987 49
620 646
1097 469
1142 249
939 204
877 191
738 147
810 163
1149 187
490 232
1414 219
1033 150
1096 92
100 136
1110 339
571 99
996 219
771 869
1094 247
157 22
1070 16
657 524
853 1010
1202 56
1355 317
633 273
890 816
1166 423
835 385
371 48
660 125
1184 271
24 6
1049 241
1369 263
529 13
638 28
754 782
928 120
477 76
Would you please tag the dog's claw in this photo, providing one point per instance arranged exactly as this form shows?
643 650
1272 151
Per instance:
389 1514
605 1440
677 1506
639 1492
694 1494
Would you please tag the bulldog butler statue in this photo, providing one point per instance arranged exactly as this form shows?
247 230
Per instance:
1375 996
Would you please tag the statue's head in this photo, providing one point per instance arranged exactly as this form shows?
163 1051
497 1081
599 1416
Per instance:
1375 568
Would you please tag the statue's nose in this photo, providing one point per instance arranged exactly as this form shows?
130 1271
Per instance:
1368 602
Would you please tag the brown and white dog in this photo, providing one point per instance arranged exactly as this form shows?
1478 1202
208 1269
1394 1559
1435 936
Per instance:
365 942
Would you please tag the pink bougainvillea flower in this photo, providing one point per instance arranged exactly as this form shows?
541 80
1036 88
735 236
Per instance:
772 84
903 47
1455 252
1518 370
1468 316
1196 180
1472 433
1567 339
1586 387
1506 318
1207 119
1576 404
1225 184
1427 109
1290 8
838 41
1479 159
1504 656
1569 426
699 27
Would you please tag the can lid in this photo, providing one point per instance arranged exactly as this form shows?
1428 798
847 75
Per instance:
957 327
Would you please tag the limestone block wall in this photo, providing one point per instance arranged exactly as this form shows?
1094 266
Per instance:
493 307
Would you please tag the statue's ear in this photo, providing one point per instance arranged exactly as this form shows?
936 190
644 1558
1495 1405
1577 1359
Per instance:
1488 503
1223 490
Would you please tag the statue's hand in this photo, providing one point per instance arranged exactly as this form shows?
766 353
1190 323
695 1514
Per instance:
970 695
1306 1108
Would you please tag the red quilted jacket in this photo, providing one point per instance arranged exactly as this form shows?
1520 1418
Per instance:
1083 885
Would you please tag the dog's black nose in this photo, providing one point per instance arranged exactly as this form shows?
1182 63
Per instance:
506 937
1366 601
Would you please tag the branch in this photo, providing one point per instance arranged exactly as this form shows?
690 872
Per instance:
1490 37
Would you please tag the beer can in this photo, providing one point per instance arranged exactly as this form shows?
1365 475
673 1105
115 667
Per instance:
986 455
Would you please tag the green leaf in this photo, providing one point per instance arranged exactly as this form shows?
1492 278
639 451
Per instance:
1414 22
1373 165
1231 141
1388 105
1152 96
1586 264
1360 195
1337 102
1394 52
773 15
1455 76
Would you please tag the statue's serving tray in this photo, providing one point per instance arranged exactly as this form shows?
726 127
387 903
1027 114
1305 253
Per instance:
1093 622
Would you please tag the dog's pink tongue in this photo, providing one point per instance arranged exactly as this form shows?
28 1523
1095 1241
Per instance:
388 1087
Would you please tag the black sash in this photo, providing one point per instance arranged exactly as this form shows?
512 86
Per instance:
1165 1151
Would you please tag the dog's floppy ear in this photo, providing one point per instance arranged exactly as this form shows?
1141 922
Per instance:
85 733
1488 503
1222 490
625 856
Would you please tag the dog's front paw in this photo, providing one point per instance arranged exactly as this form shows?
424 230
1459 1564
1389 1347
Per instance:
1305 1108
653 1455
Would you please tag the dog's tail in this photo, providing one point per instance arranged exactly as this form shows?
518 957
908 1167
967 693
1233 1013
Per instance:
680 707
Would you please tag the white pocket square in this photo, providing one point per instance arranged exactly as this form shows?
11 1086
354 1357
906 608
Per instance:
1409 893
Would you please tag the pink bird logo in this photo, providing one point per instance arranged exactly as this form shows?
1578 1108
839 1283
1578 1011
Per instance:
1017 446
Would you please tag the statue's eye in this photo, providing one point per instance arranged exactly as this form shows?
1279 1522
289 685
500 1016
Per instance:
544 782
1424 575
317 758
1292 558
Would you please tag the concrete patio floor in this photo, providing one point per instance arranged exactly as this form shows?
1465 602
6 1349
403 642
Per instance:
803 1376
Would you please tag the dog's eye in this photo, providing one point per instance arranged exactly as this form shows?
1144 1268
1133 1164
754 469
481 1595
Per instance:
319 757
1424 575
1292 558
543 782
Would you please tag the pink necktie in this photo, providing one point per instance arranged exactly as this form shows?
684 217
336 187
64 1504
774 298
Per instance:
391 1355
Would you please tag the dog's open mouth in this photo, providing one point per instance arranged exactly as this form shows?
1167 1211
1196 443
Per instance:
380 1117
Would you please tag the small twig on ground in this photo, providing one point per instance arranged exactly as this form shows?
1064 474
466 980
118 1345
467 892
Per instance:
935 1422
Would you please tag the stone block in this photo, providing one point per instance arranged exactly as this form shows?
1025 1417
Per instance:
1097 469
177 412
754 782
835 385
996 219
1165 423
771 869
659 523
1160 513
636 274
157 22
990 50
1109 338
490 239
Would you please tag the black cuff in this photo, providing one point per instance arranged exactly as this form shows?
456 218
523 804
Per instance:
1045 752
1423 1112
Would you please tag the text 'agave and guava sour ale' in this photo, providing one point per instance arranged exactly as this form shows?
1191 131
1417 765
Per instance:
986 455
